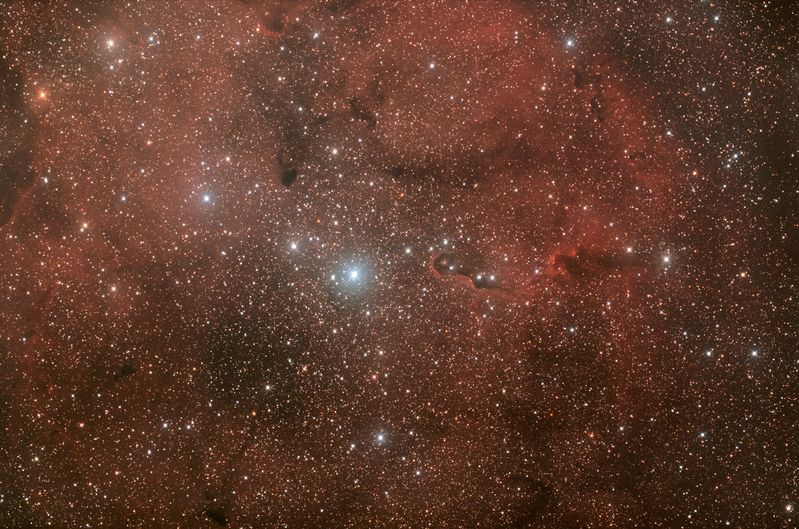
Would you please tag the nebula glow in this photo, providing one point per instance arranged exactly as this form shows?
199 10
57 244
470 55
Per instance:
370 263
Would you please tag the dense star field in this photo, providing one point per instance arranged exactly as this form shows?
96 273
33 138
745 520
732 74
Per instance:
399 264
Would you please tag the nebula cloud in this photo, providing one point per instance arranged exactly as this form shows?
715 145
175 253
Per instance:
371 263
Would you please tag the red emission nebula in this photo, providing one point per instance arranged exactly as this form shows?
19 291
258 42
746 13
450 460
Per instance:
399 264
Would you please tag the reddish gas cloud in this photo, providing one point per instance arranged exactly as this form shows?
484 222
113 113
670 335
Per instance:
186 337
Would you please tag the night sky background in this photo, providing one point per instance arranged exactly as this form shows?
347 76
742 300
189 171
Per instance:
394 264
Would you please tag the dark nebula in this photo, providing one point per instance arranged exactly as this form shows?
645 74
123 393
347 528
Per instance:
288 176
399 264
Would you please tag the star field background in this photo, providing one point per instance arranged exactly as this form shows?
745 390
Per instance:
363 263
